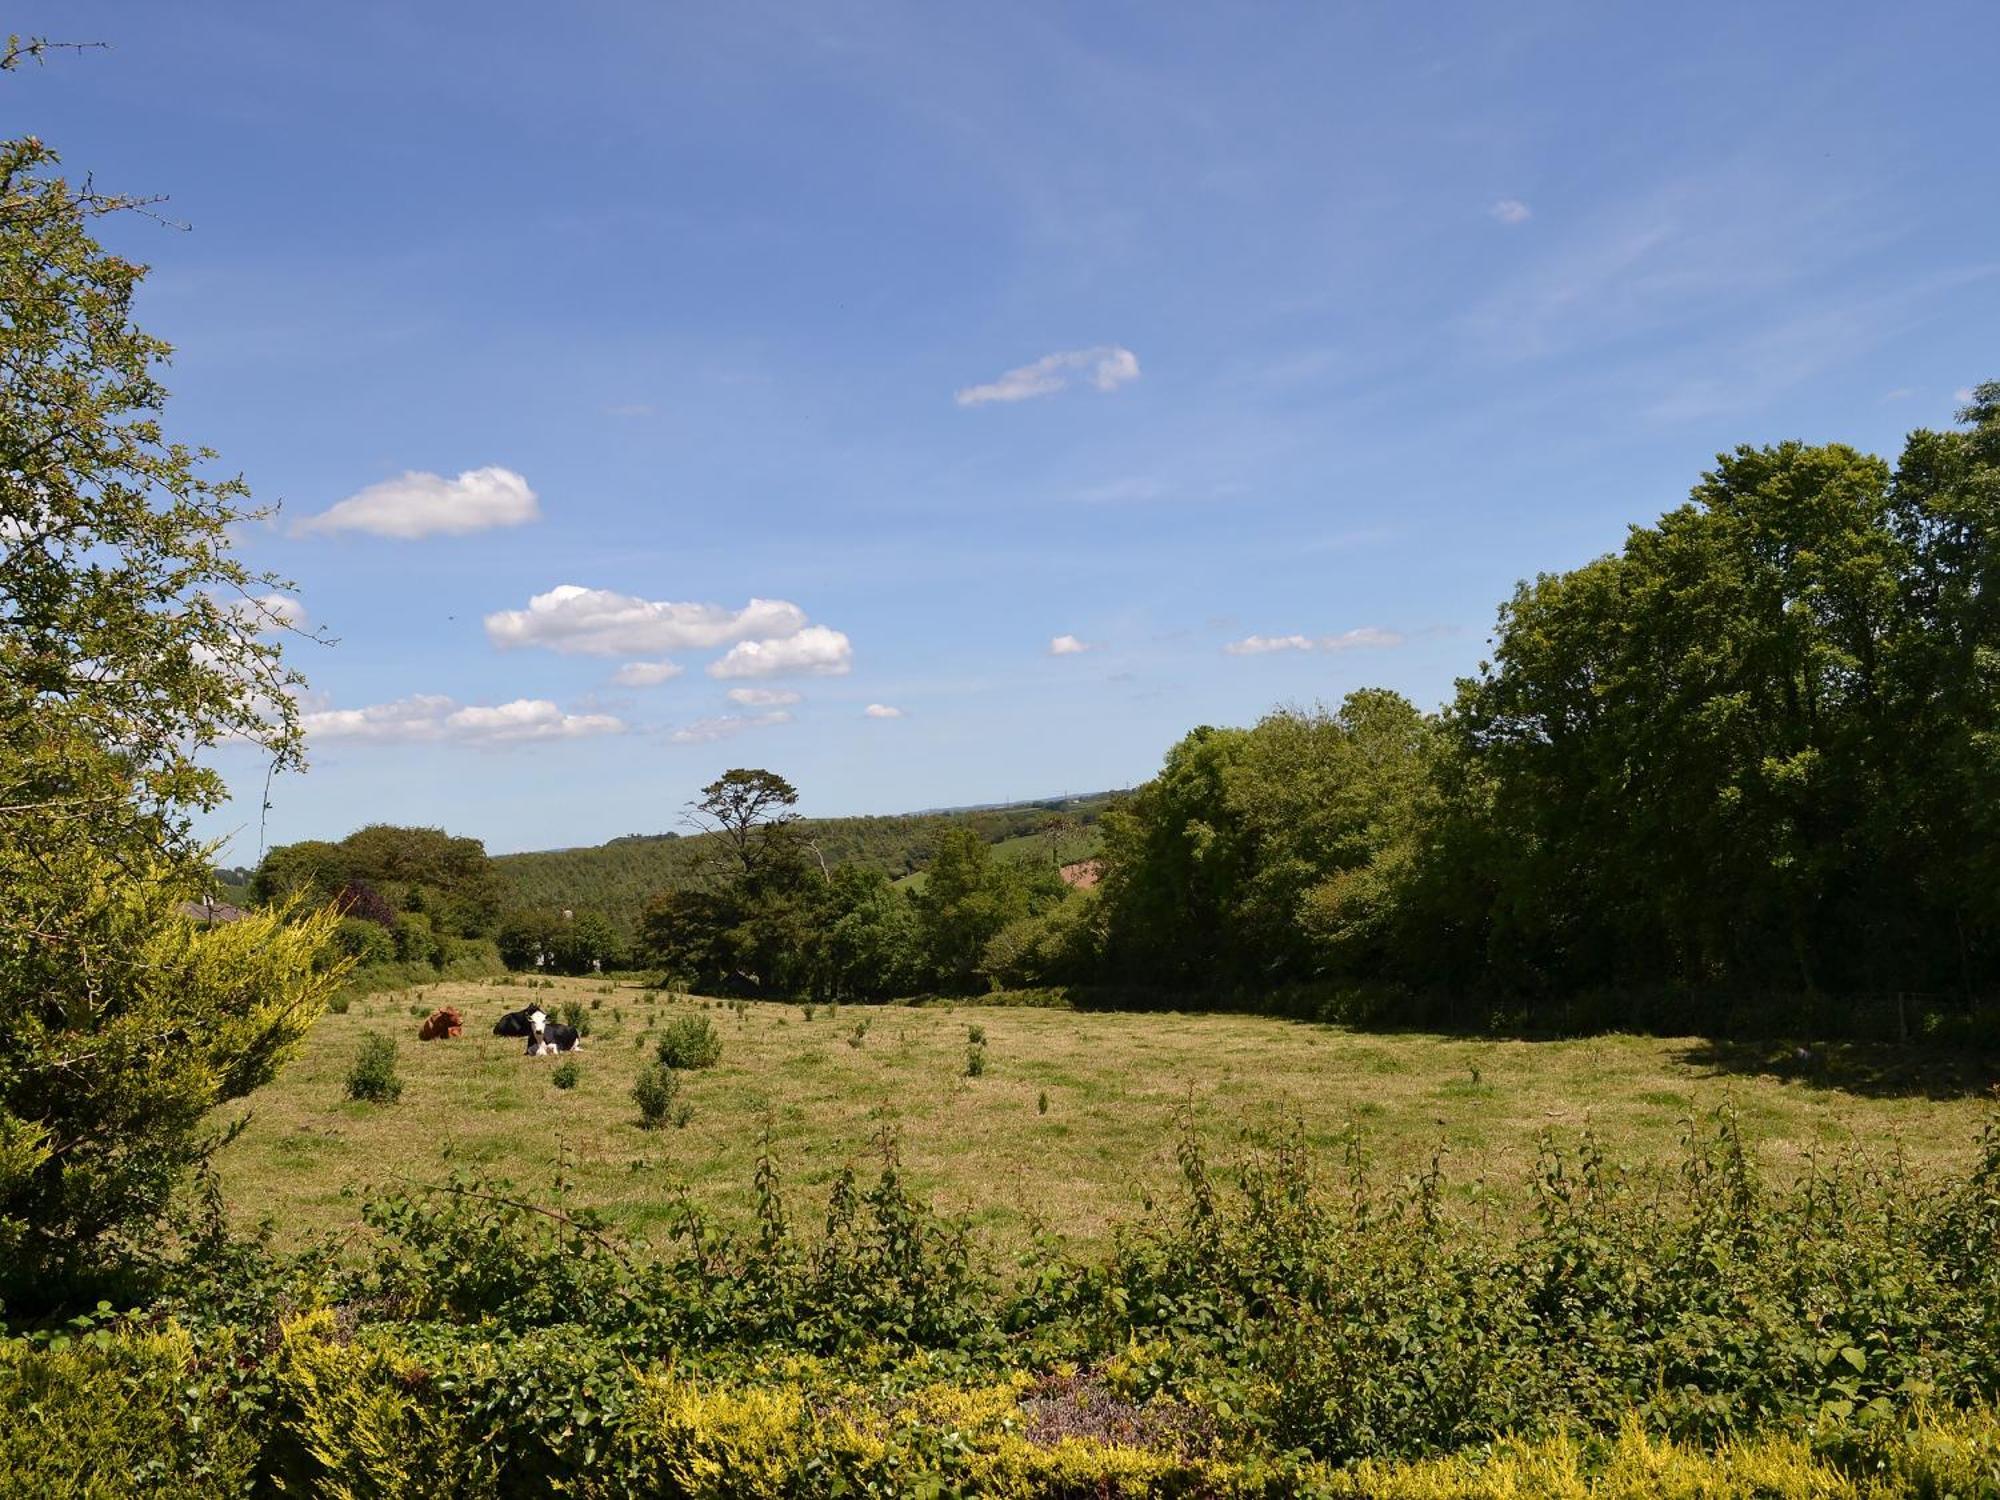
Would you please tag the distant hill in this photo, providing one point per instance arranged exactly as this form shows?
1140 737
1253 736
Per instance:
619 877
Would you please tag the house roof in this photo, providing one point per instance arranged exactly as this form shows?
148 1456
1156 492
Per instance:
212 912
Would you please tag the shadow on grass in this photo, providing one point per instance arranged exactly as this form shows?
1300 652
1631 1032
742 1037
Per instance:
1877 1070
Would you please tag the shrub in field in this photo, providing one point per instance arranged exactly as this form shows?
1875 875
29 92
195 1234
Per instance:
975 1060
689 1042
858 1037
373 1076
657 1092
573 1013
338 1005
975 1035
566 1074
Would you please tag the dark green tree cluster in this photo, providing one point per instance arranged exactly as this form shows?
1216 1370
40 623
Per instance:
769 915
412 896
1754 751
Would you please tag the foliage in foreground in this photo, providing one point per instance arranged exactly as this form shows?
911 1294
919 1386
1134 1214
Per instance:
132 640
368 1416
1290 1332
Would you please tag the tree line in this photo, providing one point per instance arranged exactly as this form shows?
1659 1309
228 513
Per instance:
1746 764
1752 753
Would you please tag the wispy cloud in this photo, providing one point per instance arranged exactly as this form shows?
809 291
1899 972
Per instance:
882 711
1068 645
1511 211
755 697
417 505
1131 487
1259 645
1106 366
646 673
815 651
428 718
1366 637
702 731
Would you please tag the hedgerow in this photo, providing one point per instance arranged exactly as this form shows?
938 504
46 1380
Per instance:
1286 1327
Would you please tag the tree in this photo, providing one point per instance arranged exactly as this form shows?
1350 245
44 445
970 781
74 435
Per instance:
968 898
132 640
1174 858
583 940
750 815
870 942
126 620
527 939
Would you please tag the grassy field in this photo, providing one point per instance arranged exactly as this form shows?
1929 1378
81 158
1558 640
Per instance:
1070 845
987 1147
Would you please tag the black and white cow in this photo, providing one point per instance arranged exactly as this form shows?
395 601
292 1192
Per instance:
516 1022
546 1036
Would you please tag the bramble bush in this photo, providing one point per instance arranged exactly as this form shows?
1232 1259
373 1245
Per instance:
689 1042
657 1093
373 1078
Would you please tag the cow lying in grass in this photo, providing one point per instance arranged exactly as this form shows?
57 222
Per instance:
517 1022
444 1023
546 1036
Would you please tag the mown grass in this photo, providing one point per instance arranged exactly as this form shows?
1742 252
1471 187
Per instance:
982 1146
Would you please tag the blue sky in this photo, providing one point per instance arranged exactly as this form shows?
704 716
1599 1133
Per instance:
1252 352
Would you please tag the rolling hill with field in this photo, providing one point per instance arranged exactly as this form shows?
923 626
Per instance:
618 878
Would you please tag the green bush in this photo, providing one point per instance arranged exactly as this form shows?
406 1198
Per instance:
364 942
657 1092
373 1076
124 1413
566 1074
416 943
574 1013
689 1042
975 1060
339 1004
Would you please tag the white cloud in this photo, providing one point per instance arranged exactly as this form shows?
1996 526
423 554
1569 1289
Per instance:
1356 640
646 673
1257 645
417 505
815 650
1106 366
578 621
1963 395
1068 645
704 730
762 697
432 718
1511 211
882 711
1350 640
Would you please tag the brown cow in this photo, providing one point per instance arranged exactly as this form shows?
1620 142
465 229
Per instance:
444 1022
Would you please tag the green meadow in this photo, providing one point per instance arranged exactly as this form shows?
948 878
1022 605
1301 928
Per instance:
1070 1127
